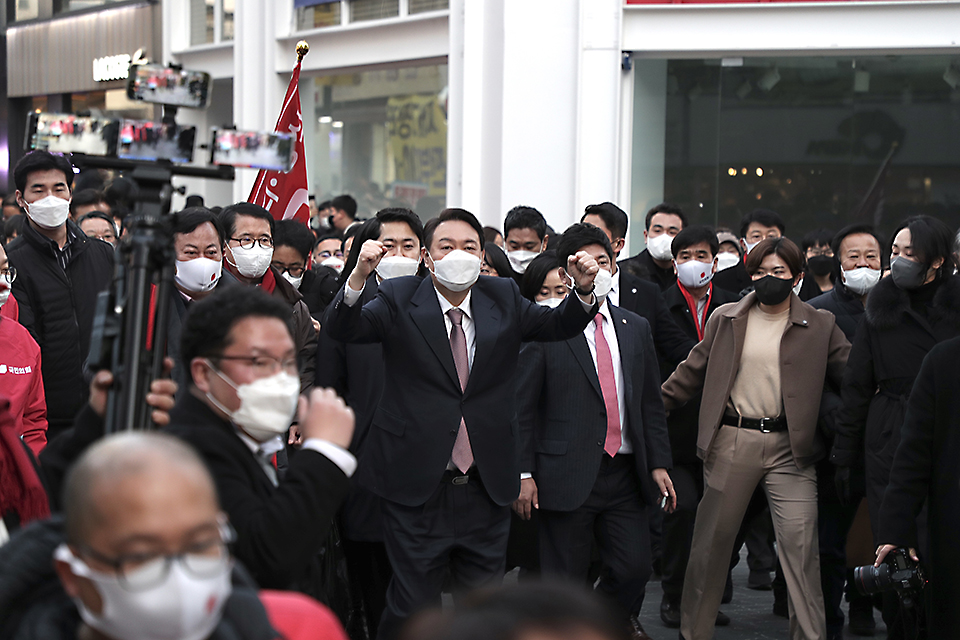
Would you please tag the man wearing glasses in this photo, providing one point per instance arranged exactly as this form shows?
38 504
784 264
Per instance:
247 258
240 358
142 552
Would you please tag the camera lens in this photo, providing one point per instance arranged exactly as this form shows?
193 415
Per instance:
871 580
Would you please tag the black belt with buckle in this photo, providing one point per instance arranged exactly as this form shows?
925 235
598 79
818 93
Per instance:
453 476
764 425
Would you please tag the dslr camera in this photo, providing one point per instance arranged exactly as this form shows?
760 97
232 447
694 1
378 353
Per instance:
898 572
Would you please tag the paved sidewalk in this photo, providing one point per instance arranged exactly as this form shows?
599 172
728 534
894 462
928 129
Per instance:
751 613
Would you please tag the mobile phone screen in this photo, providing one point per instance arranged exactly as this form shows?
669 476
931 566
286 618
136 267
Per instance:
252 149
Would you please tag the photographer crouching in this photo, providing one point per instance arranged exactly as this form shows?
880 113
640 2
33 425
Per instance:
925 472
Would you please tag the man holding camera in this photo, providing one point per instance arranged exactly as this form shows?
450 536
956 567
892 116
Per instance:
925 472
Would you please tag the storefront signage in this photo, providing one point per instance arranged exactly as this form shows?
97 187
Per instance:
418 133
111 68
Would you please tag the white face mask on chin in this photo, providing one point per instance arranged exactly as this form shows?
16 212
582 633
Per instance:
458 270
181 607
49 212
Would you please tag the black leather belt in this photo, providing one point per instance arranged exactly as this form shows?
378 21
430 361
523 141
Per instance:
453 476
764 425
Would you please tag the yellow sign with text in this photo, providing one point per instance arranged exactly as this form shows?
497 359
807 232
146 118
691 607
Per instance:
417 126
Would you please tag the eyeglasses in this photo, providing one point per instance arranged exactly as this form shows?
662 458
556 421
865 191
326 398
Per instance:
295 272
142 571
265 365
247 243
9 274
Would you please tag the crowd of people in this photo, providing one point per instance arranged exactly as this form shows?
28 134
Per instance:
372 413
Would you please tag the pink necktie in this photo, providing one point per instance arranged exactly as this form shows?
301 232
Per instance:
608 385
462 453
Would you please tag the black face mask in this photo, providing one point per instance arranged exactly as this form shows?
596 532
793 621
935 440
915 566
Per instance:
820 265
772 290
907 274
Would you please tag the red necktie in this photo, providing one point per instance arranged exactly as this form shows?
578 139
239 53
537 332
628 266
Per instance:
462 453
608 385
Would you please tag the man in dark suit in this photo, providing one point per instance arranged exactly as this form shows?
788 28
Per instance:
755 227
637 295
691 301
238 348
442 451
594 438
355 372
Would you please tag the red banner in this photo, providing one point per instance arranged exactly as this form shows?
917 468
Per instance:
285 195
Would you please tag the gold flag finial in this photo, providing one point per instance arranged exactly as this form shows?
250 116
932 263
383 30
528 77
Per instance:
302 49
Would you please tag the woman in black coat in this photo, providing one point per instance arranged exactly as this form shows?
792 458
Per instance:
925 469
907 314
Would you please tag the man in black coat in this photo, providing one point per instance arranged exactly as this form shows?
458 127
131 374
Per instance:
925 472
662 223
857 251
755 226
693 294
594 438
442 452
238 348
60 272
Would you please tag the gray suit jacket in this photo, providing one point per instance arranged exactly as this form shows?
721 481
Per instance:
563 418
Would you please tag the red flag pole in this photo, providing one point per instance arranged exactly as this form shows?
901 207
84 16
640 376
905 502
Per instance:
285 195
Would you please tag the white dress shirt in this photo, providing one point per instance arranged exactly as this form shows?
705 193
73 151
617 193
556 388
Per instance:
262 451
611 336
466 322
614 295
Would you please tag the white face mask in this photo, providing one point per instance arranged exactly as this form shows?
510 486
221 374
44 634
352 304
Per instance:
458 270
252 262
602 283
660 247
694 274
725 260
553 303
334 263
198 275
861 280
397 267
267 405
748 246
4 293
182 607
521 259
294 281
49 212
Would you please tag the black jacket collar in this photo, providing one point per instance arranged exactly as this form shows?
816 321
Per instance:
887 303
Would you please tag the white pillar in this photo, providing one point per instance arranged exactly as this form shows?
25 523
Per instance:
649 144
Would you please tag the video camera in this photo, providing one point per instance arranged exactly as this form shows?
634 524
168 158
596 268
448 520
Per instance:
130 326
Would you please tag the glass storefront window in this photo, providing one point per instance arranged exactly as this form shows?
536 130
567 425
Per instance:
380 136
421 6
226 22
201 21
77 5
825 142
361 10
321 15
27 10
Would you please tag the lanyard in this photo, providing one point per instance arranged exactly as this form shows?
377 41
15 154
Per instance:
693 308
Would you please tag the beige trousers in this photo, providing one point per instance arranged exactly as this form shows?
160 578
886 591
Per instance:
737 462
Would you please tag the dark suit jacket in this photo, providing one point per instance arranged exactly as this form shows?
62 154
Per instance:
563 422
642 266
355 372
645 299
279 529
415 426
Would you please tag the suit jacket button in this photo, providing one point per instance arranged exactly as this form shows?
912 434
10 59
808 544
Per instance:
599 443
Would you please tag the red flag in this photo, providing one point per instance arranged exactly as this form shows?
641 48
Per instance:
285 195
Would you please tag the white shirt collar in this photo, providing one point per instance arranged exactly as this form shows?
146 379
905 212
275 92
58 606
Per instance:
464 306
268 448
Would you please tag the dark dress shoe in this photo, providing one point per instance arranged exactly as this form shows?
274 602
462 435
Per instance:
780 607
670 613
722 619
861 618
636 630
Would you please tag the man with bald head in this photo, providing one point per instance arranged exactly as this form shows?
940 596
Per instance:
141 554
